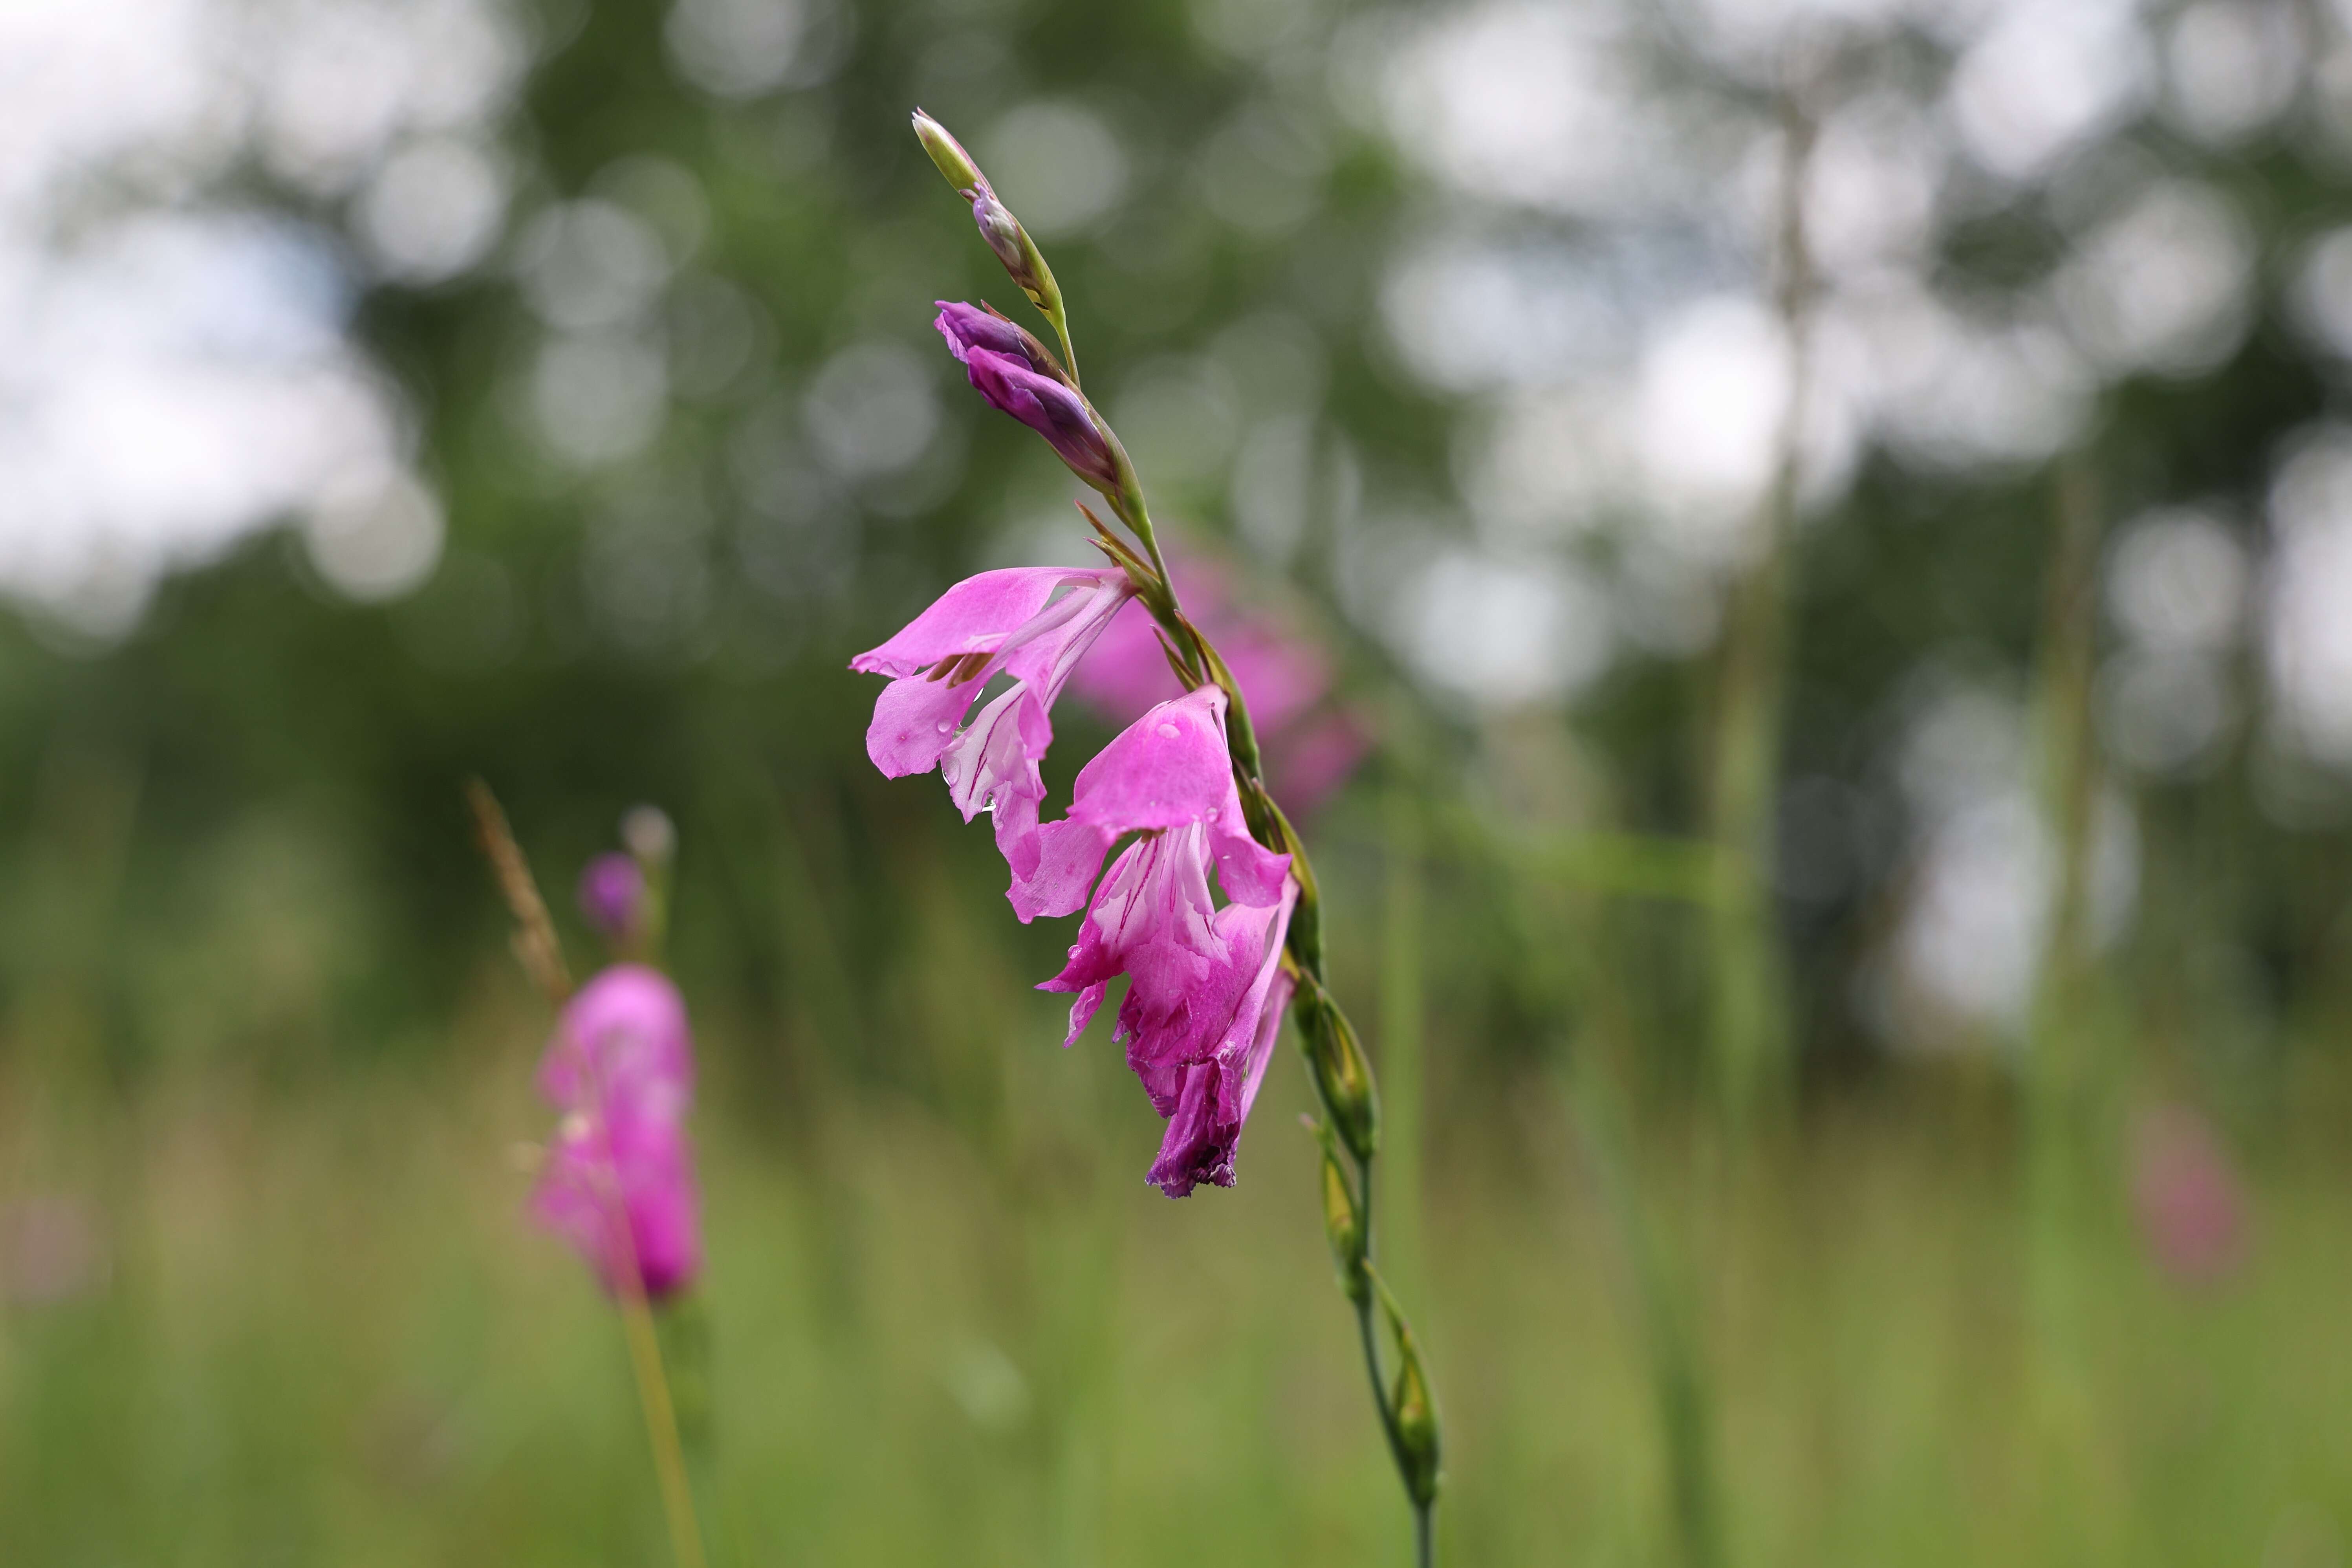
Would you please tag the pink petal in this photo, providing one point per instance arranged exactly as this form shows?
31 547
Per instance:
1168 768
915 721
974 616
622 1040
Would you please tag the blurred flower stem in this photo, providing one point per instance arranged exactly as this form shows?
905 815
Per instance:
1655 1297
1026 386
541 953
1403 1004
661 1426
2062 1030
1750 1014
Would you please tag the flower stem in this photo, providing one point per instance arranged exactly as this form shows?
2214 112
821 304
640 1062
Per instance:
1326 1032
1343 1079
541 953
661 1428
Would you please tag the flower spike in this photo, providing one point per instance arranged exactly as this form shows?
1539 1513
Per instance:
1019 254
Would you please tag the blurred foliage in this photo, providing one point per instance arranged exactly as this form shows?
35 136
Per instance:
255 1002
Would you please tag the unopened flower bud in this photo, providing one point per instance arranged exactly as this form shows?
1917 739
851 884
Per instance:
612 895
1416 1417
1001 229
1053 411
1344 1224
1346 1080
968 327
1023 262
948 155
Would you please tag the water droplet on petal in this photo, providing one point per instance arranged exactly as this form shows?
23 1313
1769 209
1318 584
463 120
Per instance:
1168 731
1212 813
946 725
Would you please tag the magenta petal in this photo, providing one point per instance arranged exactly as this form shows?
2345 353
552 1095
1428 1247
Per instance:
1248 871
1308 750
618 1183
623 1195
975 617
612 894
997 753
1082 1011
622 1040
1194 1149
1053 866
1207 1087
1047 406
1127 672
1271 1012
915 721
1168 768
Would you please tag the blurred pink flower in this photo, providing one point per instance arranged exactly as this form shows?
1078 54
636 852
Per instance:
613 893
1032 624
618 1183
52 1249
1205 990
2190 1203
1308 751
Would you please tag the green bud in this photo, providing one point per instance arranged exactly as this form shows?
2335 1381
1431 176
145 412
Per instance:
947 155
1346 1080
1416 1420
1342 1221
1412 1413
1023 261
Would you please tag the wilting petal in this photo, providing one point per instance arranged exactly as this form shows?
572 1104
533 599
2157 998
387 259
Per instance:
1213 1096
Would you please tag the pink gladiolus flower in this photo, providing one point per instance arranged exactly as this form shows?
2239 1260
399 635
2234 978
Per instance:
1310 751
618 1183
1205 988
2192 1205
1031 623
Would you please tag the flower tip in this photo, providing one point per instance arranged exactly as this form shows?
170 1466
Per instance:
954 165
